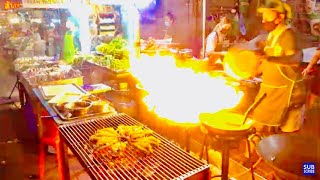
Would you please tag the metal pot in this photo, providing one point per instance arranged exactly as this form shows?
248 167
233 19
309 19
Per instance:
79 108
186 53
100 106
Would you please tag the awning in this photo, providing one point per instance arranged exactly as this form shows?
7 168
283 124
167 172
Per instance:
47 3
10 4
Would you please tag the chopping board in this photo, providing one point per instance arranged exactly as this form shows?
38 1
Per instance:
53 90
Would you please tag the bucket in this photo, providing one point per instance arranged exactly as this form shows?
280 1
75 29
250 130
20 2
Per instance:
30 118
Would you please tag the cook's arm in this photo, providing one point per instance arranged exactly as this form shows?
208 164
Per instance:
287 60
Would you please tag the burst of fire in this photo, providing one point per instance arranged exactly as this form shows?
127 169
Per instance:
180 94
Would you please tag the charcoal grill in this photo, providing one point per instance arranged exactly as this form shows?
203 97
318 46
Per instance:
168 161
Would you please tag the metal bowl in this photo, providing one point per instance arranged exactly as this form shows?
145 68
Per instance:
79 108
100 106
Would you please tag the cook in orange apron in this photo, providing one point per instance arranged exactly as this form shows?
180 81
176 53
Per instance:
285 89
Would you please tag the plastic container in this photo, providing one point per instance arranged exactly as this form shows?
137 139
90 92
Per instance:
78 81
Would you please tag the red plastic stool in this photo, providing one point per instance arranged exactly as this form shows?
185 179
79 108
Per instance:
49 136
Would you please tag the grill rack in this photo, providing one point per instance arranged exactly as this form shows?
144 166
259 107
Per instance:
168 161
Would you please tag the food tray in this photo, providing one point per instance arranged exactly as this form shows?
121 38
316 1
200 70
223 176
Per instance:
88 115
49 97
76 80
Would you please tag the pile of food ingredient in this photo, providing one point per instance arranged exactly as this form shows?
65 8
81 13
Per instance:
115 55
23 64
71 106
149 45
114 143
80 58
47 73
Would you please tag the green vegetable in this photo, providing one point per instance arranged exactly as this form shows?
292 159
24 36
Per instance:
116 54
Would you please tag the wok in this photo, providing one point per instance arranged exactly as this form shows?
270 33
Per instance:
241 64
286 153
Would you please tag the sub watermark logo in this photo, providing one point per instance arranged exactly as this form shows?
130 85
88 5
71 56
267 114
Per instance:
309 169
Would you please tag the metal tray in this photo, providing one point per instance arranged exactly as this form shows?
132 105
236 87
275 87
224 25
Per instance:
49 97
88 115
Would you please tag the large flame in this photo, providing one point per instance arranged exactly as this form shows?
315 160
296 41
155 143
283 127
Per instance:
180 94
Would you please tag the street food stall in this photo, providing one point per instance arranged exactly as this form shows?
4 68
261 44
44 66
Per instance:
123 106
65 110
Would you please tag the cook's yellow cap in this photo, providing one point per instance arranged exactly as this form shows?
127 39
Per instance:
278 6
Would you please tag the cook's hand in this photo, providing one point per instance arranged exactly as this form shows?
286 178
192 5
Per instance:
306 71
261 44
261 56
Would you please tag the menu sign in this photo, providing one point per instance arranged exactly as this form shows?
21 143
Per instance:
11 5
45 3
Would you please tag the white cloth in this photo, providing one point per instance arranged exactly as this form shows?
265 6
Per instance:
212 40
308 53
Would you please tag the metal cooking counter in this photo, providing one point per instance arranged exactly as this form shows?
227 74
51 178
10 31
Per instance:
168 161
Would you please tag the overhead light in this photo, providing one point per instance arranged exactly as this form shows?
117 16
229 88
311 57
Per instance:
55 21
143 4
36 20
14 20
109 2
139 4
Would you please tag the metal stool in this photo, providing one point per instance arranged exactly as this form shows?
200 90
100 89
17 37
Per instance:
227 128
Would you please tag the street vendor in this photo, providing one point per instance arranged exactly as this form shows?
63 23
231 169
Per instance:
53 40
282 83
215 40
217 43
168 26
71 43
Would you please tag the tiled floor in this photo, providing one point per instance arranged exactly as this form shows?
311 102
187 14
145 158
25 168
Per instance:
19 153
18 146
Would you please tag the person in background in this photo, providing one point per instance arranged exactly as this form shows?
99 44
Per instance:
39 45
282 94
168 26
71 44
26 28
238 29
312 63
16 30
314 83
52 39
215 40
35 35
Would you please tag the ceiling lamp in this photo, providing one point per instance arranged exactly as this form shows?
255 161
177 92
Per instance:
144 4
